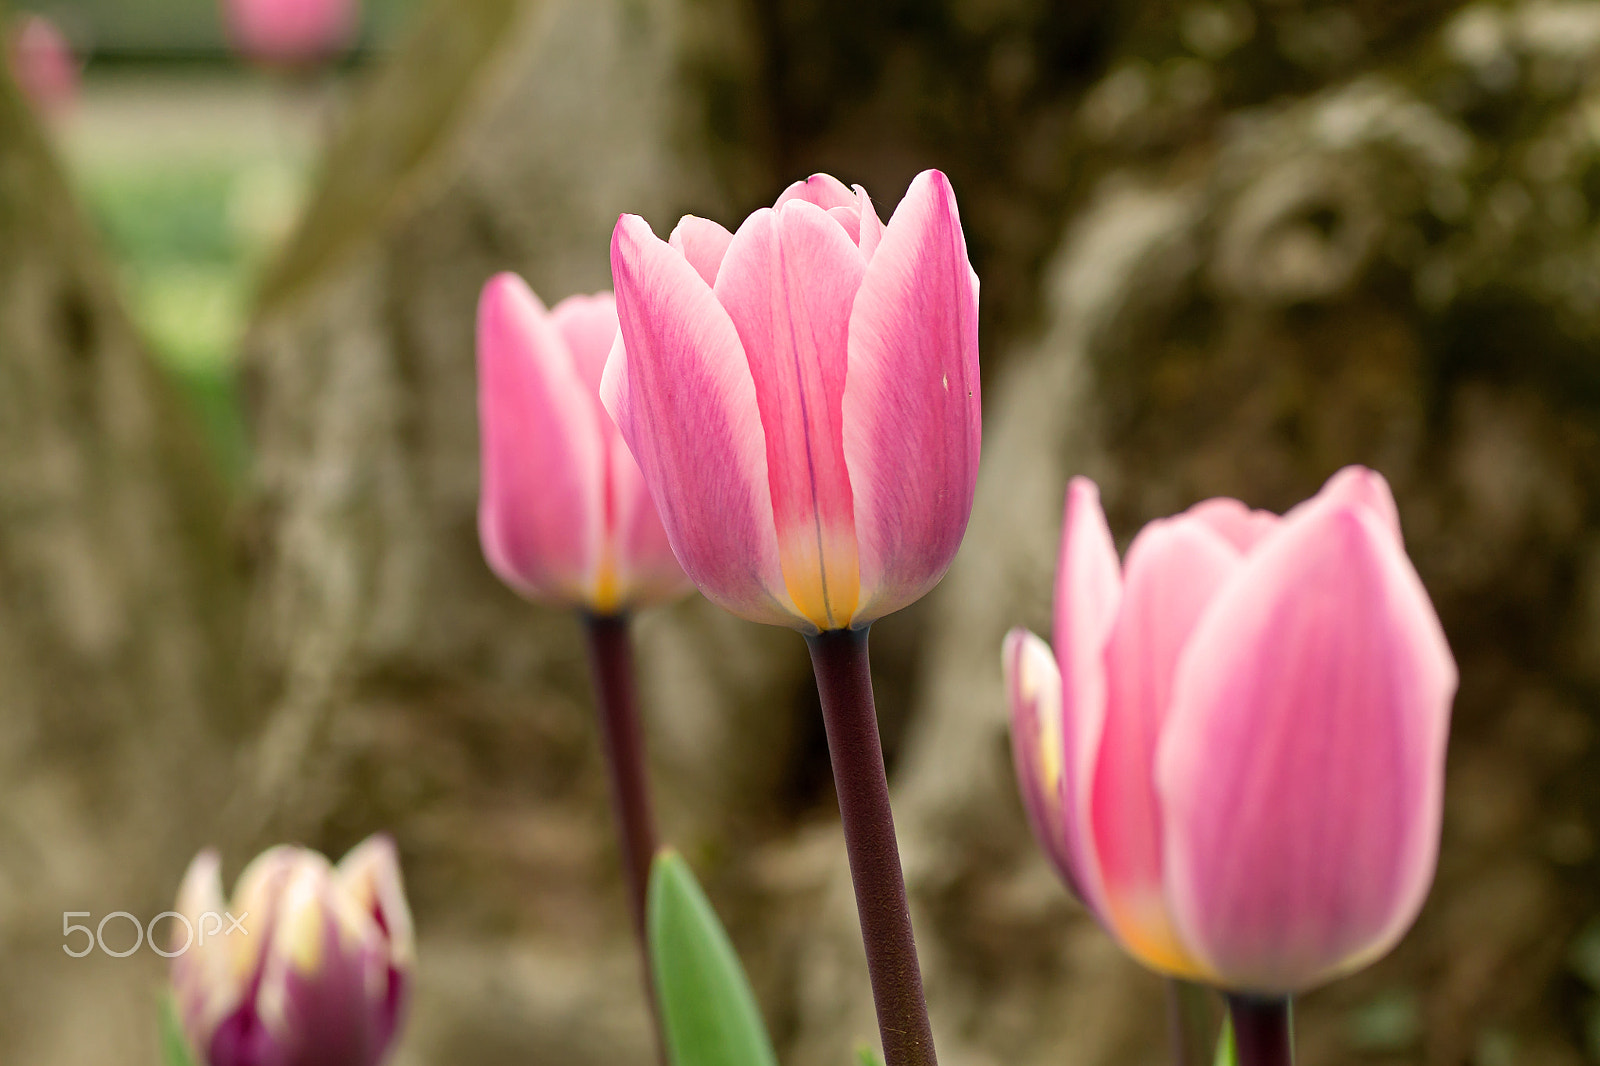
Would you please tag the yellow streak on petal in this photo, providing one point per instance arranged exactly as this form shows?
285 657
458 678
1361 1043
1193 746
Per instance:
607 594
821 574
305 923
1141 922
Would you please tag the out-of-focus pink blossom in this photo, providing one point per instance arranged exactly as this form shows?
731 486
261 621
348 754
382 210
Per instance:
1235 753
308 964
563 514
803 398
292 32
43 64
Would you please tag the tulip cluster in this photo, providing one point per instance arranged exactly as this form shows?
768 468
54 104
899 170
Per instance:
1234 754
320 971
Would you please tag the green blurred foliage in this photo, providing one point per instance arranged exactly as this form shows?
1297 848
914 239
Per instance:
189 238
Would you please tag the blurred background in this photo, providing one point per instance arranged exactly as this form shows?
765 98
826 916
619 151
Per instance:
1227 246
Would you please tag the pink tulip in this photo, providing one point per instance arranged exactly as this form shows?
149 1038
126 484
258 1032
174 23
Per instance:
292 31
564 515
43 64
803 399
317 969
1235 754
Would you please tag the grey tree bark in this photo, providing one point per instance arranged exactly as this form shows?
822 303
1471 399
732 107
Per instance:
119 607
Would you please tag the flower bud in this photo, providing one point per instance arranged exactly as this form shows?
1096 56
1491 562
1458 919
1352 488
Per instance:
803 398
563 515
1235 754
308 965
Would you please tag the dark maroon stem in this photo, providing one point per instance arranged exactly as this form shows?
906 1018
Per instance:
844 682
1263 1029
611 667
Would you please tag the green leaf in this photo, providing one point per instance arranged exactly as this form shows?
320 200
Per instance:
865 1056
1227 1053
707 1009
174 1045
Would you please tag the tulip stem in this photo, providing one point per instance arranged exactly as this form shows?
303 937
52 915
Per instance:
1263 1029
611 668
844 682
1189 1023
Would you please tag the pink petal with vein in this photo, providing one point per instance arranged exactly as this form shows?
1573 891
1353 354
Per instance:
1088 596
703 243
1033 687
1173 570
1301 769
540 512
912 404
680 389
788 283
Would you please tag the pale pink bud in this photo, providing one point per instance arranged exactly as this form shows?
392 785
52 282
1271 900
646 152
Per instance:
44 65
292 32
1235 754
803 398
563 515
308 964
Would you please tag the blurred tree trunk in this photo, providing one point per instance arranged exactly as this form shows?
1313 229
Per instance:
118 629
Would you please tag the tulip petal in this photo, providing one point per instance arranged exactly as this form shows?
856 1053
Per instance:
680 390
912 412
788 283
1241 526
850 219
324 969
201 975
540 509
703 243
1360 487
588 327
1088 594
1033 686
1301 767
824 190
869 226
1174 568
369 876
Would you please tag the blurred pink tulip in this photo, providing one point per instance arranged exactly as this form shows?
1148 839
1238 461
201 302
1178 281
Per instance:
803 398
292 31
44 65
1235 754
563 515
317 970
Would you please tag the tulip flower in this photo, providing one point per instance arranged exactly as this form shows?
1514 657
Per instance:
802 396
317 969
43 64
292 32
564 515
1235 754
